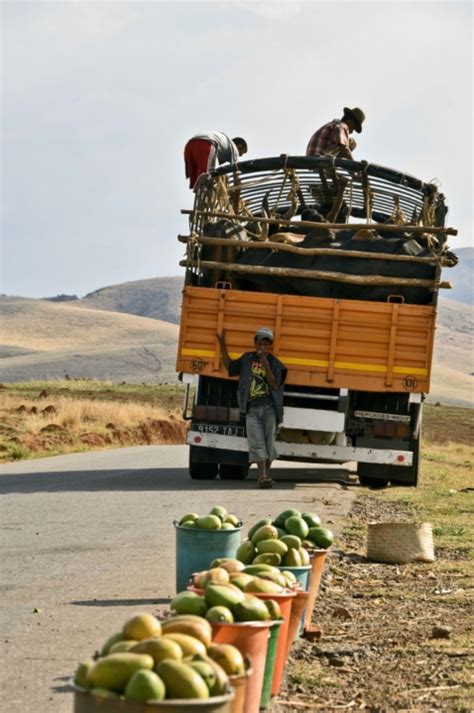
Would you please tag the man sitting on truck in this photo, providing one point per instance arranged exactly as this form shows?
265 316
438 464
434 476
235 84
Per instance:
334 138
203 152
261 378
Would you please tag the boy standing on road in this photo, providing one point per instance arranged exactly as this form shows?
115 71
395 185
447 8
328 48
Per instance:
261 378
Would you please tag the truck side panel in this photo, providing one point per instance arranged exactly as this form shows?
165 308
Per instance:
352 344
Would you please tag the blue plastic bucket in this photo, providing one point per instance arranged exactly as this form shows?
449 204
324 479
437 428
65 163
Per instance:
195 550
301 573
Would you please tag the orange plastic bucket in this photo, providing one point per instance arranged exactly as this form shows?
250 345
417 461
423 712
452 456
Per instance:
251 638
297 610
239 684
318 558
285 601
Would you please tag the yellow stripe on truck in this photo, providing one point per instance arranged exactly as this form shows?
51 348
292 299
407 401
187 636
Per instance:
356 366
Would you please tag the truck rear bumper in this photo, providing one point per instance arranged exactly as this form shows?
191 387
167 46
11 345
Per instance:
307 452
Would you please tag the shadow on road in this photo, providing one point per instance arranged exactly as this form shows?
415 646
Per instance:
155 479
119 602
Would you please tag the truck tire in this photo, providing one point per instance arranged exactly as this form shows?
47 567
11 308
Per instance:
199 470
233 472
372 475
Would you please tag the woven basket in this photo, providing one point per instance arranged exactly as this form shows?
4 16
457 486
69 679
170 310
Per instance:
400 542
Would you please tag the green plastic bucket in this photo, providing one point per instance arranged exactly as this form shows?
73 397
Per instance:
270 664
195 550
301 573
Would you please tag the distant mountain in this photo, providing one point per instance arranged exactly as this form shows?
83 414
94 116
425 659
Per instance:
44 340
461 277
157 297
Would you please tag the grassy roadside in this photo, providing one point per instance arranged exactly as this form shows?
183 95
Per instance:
50 418
379 651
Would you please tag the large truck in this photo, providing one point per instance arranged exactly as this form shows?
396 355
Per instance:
342 260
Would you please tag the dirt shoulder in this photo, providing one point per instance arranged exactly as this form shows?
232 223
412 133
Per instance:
40 419
396 637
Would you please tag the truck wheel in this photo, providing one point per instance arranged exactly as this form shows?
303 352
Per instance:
233 472
372 475
199 470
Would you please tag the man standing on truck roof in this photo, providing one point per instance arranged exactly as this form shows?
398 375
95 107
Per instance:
334 138
261 378
203 152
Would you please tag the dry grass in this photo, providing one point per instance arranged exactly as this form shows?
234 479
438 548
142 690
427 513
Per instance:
73 416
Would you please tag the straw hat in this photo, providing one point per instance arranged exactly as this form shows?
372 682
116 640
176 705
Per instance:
357 116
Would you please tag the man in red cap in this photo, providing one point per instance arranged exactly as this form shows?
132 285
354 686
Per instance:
203 152
334 138
261 378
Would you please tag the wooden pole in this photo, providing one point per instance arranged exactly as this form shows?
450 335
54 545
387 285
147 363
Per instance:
315 274
284 247
328 226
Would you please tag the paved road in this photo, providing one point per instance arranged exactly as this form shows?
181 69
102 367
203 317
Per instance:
87 541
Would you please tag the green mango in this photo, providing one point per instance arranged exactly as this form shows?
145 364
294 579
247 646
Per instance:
272 558
80 677
292 558
246 552
241 579
110 642
311 519
206 671
265 586
274 609
190 516
225 595
181 680
292 541
272 546
321 536
258 525
220 511
209 522
274 577
114 671
267 532
145 686
188 523
295 525
124 645
259 567
283 516
220 613
189 603
233 519
251 609
222 679
159 648
304 557
289 576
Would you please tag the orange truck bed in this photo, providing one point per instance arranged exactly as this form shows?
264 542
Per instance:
366 346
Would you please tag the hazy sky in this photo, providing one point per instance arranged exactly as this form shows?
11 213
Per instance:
99 98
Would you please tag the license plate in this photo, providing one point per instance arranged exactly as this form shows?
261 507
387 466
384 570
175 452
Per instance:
221 430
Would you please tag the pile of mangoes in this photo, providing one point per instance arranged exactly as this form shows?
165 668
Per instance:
217 519
285 541
151 659
225 593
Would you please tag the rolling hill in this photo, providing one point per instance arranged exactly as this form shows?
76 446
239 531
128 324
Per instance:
47 340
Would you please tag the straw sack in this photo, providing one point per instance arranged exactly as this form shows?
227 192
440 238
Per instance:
400 542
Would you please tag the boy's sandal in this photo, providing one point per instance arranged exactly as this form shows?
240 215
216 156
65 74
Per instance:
265 482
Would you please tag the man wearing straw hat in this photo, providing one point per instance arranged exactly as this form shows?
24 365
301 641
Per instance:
334 138
261 378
